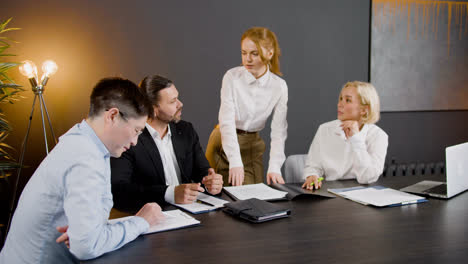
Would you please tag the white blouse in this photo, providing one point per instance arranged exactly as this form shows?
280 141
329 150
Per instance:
334 157
246 104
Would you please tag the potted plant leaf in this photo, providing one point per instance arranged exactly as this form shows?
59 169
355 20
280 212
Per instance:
9 93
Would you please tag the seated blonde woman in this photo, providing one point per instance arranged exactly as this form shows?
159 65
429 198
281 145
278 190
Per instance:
352 147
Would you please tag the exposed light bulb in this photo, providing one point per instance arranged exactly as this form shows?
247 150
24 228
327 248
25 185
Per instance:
49 67
28 69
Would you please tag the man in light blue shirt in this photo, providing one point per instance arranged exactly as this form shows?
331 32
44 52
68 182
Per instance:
71 187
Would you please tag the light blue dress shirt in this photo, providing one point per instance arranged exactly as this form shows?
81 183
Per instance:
70 187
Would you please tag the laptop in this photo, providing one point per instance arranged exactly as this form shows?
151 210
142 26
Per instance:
456 164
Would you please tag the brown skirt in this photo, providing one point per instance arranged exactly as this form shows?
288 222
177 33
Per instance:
251 147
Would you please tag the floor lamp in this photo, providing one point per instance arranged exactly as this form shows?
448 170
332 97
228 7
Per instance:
29 69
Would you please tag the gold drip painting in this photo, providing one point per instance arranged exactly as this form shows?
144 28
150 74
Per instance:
419 54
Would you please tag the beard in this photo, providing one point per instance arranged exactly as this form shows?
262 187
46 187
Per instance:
170 118
176 118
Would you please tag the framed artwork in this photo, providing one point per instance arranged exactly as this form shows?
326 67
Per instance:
419 54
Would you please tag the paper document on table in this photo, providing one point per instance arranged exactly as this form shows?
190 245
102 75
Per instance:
209 204
378 196
260 191
216 202
174 219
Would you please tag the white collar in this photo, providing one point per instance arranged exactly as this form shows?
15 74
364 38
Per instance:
155 134
249 78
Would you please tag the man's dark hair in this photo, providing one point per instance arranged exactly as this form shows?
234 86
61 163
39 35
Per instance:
151 85
122 94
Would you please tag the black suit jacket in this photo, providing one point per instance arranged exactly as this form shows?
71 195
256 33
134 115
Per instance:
137 177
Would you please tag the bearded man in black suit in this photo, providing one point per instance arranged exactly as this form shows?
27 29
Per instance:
168 163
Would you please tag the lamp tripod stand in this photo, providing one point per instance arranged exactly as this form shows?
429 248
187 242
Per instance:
38 95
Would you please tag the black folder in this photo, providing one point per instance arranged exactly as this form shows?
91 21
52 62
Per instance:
255 210
295 189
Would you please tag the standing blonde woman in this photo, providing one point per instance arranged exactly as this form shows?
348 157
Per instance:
249 95
351 147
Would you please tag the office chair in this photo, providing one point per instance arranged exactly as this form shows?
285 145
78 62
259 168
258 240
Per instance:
293 168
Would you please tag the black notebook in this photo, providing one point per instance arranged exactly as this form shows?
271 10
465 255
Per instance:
255 210
295 189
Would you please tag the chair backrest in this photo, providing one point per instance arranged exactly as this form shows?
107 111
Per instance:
293 168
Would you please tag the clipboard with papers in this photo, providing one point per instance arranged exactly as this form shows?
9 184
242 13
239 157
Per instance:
174 219
273 192
205 203
260 191
378 196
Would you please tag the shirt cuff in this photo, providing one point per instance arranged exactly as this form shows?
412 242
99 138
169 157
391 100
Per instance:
274 169
235 162
312 172
141 224
358 141
169 195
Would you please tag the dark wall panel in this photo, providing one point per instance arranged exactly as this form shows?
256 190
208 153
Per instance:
324 45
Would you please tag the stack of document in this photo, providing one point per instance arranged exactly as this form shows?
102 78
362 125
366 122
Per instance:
205 203
260 191
377 196
174 219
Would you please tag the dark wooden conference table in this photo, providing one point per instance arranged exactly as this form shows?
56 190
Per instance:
321 230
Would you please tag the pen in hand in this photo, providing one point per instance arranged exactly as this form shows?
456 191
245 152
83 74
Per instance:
205 203
315 184
319 180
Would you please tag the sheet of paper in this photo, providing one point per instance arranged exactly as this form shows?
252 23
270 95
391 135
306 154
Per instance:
197 207
216 202
174 219
380 197
260 191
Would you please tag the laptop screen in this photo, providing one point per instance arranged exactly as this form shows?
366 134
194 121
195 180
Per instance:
456 158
